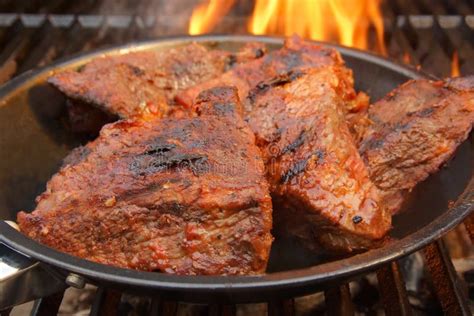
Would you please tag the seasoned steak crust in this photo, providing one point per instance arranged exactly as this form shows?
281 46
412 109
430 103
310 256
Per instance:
144 83
320 185
184 196
415 129
297 100
296 55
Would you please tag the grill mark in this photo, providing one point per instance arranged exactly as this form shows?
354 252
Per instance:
422 113
159 149
320 155
160 157
193 162
295 144
290 60
300 166
279 80
296 169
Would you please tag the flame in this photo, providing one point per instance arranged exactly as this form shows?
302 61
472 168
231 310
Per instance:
455 71
345 21
207 14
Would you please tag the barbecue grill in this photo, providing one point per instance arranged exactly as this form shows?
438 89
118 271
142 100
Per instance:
426 34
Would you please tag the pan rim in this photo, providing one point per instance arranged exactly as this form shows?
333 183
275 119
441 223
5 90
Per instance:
233 285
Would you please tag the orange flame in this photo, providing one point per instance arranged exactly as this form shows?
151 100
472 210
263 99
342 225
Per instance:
345 21
455 71
207 14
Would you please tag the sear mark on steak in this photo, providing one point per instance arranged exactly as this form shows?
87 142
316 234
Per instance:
171 220
280 80
414 130
142 165
295 144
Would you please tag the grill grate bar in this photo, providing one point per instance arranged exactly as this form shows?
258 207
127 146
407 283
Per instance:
445 280
222 310
339 301
106 302
47 305
393 291
281 307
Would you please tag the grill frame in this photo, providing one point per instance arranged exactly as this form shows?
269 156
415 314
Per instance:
273 286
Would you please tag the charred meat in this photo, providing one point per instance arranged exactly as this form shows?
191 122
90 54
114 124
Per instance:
321 188
414 130
143 84
296 101
182 196
295 56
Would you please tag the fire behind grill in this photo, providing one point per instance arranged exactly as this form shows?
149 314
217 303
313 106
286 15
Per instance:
425 33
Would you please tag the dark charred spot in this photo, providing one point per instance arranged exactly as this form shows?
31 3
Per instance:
426 112
400 127
259 53
292 59
135 70
194 162
231 61
374 144
223 108
296 169
357 219
320 155
295 144
279 80
173 208
81 68
159 149
160 156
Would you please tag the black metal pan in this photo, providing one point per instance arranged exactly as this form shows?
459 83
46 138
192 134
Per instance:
34 139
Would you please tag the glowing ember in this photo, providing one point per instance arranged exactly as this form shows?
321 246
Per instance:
406 58
345 21
455 72
207 14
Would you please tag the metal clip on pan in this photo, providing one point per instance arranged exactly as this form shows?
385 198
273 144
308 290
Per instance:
23 279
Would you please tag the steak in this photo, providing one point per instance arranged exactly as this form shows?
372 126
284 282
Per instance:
182 196
294 56
415 129
143 84
297 101
320 186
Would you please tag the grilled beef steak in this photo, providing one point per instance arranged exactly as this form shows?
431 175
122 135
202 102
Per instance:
142 84
414 130
296 55
297 100
320 185
183 196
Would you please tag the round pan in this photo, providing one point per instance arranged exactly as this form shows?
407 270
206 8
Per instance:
33 141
